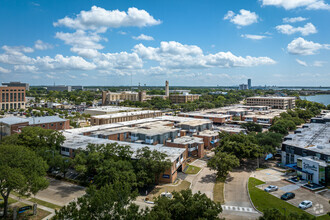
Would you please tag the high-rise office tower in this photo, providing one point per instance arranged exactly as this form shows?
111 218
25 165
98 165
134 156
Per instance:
249 84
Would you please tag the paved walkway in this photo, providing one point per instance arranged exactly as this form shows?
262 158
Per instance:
203 181
52 211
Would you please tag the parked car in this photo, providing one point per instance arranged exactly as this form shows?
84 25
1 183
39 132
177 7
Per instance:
305 204
288 195
271 188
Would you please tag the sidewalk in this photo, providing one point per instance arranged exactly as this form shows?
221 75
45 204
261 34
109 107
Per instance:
52 211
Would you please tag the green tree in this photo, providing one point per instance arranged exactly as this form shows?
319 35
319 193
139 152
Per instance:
109 202
185 206
150 165
223 163
251 126
20 170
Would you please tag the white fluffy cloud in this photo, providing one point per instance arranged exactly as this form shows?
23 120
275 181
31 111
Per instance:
303 63
294 20
99 19
244 18
121 61
300 46
292 4
143 37
83 43
40 45
4 70
253 36
309 28
174 55
15 55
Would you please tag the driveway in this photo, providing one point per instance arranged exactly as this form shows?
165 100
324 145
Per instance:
320 203
60 192
203 181
236 189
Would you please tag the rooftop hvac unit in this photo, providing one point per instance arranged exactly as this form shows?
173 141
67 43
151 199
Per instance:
320 147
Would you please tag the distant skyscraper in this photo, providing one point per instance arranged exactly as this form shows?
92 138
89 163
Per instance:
249 84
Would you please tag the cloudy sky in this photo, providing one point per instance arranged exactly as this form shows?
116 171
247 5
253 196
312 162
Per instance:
200 42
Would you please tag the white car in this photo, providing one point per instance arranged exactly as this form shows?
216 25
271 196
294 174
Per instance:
271 188
305 204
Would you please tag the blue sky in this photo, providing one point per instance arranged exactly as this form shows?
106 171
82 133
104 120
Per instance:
192 43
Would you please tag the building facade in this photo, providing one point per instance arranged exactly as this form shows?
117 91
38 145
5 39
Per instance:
12 97
307 151
183 98
273 102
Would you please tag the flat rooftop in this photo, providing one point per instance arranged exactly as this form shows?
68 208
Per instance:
112 109
74 141
315 137
187 140
201 114
136 122
123 114
272 97
31 120
208 133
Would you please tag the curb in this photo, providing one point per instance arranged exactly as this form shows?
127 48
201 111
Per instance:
247 188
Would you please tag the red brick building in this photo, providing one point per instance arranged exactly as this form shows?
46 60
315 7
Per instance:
12 97
12 125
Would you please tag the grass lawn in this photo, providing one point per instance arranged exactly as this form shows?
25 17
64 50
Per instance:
218 195
19 195
44 203
10 201
192 169
29 214
263 200
158 190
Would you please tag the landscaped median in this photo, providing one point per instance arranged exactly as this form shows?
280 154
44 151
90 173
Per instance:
168 188
218 191
263 200
192 169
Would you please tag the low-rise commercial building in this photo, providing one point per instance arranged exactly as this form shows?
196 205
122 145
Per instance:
13 124
194 146
308 152
177 156
216 118
183 98
209 137
123 116
103 110
272 101
262 117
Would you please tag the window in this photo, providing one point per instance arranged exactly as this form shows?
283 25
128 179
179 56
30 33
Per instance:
61 123
43 126
52 125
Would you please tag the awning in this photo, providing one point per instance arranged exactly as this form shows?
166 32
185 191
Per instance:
294 166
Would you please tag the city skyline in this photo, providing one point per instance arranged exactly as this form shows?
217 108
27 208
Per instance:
109 43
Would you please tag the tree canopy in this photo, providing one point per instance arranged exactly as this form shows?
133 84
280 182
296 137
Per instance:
21 170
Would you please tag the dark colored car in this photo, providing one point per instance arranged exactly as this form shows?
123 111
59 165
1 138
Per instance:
287 196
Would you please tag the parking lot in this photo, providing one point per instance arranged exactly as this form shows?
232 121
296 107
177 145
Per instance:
60 192
320 203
